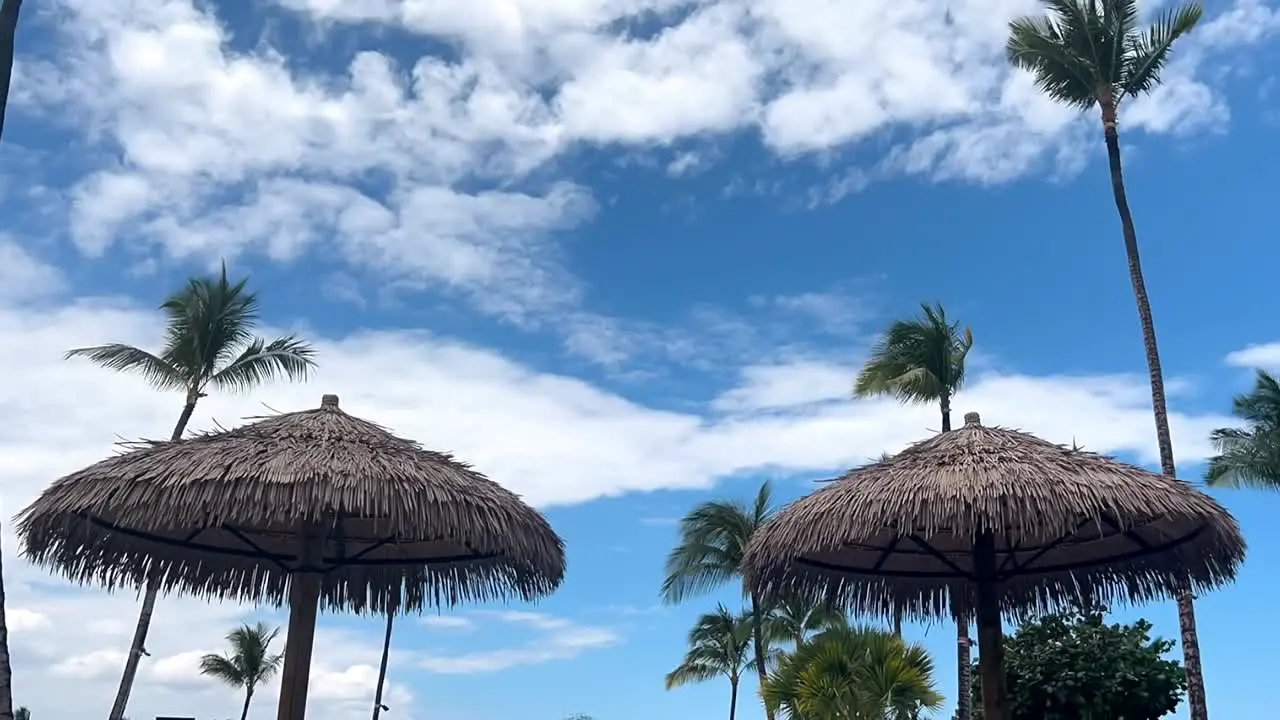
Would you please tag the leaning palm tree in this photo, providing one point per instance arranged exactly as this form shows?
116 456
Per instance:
851 673
209 345
250 663
1090 54
922 360
1249 456
713 539
718 647
8 32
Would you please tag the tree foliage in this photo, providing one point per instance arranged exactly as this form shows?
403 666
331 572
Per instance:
1249 456
851 673
1075 666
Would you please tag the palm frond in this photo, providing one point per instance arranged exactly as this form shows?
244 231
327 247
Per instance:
126 358
260 362
1148 52
713 538
1249 456
223 668
1039 45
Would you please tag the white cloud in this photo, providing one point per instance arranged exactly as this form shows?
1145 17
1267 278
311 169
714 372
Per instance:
447 622
555 638
215 151
1266 355
23 275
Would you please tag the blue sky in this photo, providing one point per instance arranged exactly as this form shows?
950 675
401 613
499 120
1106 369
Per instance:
625 256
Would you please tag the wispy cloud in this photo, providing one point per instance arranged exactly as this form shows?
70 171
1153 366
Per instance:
555 638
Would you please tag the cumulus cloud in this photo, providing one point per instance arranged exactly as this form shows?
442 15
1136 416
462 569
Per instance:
554 638
425 170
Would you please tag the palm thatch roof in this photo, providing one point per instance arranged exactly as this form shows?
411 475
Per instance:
901 532
221 515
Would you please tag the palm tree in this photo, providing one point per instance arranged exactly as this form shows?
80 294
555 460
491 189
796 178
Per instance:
713 539
850 673
717 647
209 344
1093 53
922 360
8 32
378 707
1249 456
250 663
793 621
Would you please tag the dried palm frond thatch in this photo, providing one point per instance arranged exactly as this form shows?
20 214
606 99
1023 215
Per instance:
227 515
1043 523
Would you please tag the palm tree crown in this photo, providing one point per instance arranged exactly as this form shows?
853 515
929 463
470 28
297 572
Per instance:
918 360
250 663
718 647
1092 52
209 343
1250 456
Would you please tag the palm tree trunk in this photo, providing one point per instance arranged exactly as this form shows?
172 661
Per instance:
149 597
964 659
8 33
382 668
733 698
6 670
757 637
1186 602
248 697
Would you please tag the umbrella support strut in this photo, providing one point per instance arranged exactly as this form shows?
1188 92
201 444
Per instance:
990 632
304 604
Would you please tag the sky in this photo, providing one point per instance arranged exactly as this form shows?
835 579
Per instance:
624 256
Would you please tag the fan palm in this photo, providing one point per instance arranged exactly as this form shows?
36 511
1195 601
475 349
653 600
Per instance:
718 647
850 673
8 33
922 360
250 663
209 344
1090 54
1250 456
713 539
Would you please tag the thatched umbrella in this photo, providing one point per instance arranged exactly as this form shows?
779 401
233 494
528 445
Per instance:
1007 522
317 506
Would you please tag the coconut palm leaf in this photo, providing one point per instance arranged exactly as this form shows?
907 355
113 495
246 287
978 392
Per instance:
1249 456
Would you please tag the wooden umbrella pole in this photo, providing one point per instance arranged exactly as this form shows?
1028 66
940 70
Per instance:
990 633
304 605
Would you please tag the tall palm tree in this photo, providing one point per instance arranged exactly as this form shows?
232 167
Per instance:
713 539
8 32
922 360
209 344
848 673
718 647
1090 54
378 707
1249 456
250 663
794 620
